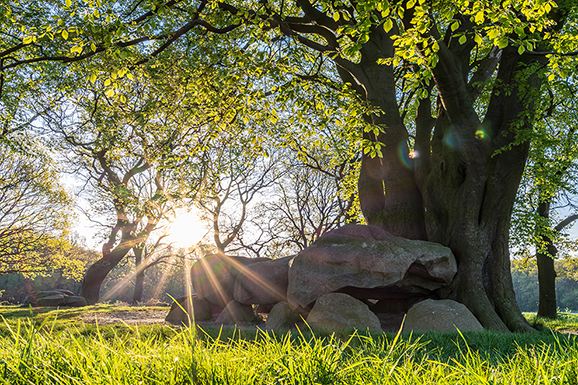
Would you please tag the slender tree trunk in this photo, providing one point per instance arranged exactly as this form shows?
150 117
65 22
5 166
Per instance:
139 277
547 305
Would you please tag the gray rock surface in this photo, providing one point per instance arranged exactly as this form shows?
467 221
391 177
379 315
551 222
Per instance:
442 316
202 310
282 318
341 312
75 301
368 262
54 298
263 283
214 276
236 313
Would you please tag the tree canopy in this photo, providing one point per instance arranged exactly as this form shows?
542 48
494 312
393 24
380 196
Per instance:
35 215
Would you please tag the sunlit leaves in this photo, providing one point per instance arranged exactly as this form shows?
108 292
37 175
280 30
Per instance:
36 214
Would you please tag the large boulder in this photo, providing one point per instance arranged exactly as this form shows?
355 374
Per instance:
263 283
441 316
282 318
367 262
54 298
341 312
75 301
202 310
237 313
214 276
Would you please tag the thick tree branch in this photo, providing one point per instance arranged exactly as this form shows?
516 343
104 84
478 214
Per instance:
566 222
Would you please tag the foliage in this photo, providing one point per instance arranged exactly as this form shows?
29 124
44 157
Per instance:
550 174
35 213
16 286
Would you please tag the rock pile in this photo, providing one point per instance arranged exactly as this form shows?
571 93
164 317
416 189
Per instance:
356 276
55 297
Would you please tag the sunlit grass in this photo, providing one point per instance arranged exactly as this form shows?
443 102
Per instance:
48 348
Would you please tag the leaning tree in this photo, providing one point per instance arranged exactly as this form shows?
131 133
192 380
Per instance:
450 91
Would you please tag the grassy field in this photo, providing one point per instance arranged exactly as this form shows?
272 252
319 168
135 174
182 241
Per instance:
48 346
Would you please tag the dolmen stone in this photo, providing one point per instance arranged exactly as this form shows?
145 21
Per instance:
55 298
441 316
367 262
263 283
341 312
236 313
282 318
202 310
214 276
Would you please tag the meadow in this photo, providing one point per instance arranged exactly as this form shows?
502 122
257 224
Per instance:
50 346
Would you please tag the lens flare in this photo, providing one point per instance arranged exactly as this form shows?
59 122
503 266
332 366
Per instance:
480 134
450 139
404 155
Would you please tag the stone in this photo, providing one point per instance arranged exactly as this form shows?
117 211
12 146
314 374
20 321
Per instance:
441 316
202 310
282 318
61 291
75 301
237 313
54 298
214 276
263 283
368 262
342 312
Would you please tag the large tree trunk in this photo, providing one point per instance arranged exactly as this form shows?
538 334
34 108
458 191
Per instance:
463 192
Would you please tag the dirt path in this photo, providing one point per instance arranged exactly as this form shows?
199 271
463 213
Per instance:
128 317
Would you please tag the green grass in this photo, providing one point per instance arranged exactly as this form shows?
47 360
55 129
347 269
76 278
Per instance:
51 346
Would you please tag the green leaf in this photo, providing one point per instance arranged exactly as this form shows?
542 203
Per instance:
462 39
521 49
502 43
388 25
28 40
109 93
93 78
479 19
65 34
68 3
493 33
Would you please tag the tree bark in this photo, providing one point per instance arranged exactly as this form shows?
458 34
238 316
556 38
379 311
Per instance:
465 192
139 275
547 305
96 273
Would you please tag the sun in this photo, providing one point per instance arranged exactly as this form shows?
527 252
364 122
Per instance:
186 228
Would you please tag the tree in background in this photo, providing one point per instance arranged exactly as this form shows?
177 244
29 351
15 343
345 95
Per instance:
309 199
35 216
122 150
545 206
